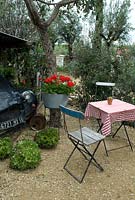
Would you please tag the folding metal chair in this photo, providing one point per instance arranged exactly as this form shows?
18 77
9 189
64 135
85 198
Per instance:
81 139
108 87
103 90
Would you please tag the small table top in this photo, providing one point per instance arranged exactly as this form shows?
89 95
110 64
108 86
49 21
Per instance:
117 106
118 111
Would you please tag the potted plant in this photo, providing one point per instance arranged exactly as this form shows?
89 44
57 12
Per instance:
56 89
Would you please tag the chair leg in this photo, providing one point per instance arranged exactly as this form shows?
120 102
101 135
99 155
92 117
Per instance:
68 161
105 147
117 130
82 151
70 156
130 144
90 160
99 130
128 138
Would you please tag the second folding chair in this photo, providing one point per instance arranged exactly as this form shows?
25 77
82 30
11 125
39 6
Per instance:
104 90
81 139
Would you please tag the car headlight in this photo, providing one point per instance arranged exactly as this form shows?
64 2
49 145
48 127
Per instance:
27 95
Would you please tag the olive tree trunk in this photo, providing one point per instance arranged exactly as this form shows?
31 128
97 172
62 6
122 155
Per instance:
42 26
55 118
50 58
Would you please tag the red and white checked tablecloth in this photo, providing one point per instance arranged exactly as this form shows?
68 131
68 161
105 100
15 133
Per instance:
118 111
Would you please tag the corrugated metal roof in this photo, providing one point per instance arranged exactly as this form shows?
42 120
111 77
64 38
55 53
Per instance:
10 41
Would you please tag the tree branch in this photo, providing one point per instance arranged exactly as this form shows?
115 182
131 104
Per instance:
105 39
56 9
61 3
53 15
37 21
35 17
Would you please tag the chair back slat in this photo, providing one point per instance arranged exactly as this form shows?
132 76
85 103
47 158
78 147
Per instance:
105 84
103 90
72 113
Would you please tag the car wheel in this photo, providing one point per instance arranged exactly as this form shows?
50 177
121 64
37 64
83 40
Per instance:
37 122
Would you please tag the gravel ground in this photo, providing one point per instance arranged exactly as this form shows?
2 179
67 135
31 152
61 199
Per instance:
49 181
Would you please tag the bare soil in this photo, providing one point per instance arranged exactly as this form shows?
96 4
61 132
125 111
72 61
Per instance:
49 181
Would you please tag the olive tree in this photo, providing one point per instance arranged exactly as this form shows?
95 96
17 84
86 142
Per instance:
43 24
69 29
103 65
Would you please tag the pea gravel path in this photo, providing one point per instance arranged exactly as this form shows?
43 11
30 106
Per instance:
50 182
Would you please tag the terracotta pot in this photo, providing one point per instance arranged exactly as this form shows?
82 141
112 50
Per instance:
109 101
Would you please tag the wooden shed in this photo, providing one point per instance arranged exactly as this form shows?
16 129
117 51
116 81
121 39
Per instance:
10 41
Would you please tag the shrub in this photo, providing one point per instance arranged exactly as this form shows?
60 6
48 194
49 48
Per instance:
47 138
25 155
5 147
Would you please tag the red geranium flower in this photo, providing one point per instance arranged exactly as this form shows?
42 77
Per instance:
48 80
70 83
64 78
58 84
54 77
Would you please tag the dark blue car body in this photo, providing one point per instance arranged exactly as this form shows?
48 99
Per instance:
16 106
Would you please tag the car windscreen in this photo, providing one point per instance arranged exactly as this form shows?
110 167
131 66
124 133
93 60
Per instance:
8 96
5 85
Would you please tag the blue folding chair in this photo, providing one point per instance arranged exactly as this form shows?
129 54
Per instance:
81 139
